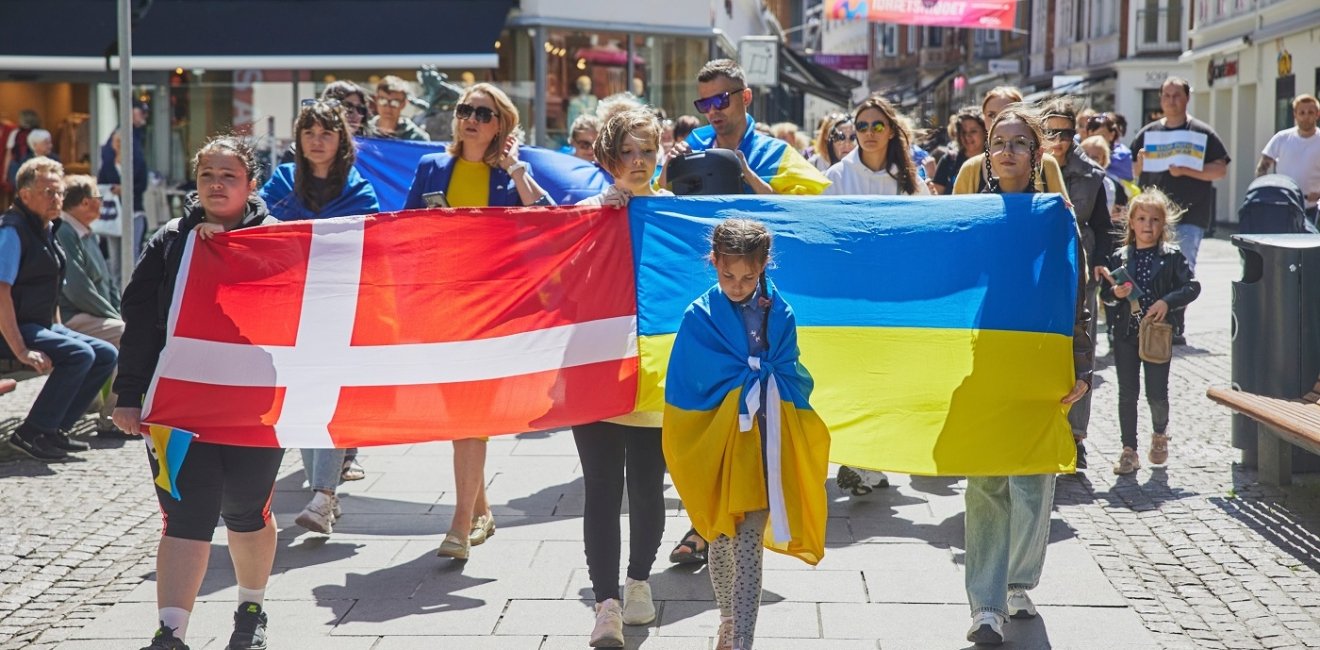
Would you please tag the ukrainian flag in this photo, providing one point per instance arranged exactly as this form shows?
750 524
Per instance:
168 447
713 443
938 329
778 164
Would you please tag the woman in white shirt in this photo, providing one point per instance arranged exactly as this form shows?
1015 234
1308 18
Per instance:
882 162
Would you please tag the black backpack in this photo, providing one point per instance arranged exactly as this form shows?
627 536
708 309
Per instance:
1273 204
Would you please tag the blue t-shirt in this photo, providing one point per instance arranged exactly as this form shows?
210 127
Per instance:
10 252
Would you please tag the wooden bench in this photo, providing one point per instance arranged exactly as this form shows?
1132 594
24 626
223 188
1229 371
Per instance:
1284 422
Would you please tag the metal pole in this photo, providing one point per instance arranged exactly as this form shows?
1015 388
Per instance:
631 67
539 91
126 143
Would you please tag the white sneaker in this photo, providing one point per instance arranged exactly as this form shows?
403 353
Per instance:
608 632
987 629
724 636
318 516
1020 605
638 608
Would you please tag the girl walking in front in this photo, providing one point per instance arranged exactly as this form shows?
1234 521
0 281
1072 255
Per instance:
1158 284
626 448
1008 517
746 452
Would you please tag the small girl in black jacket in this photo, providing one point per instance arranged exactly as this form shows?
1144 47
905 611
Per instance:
1156 267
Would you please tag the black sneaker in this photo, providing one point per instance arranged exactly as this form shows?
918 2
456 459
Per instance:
165 640
249 628
61 440
37 447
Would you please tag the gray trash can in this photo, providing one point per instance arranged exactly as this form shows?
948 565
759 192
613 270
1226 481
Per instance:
1276 328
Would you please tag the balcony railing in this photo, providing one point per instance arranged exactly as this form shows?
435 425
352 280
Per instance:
1159 30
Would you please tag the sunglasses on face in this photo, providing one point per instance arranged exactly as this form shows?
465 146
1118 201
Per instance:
1019 144
479 113
715 102
874 127
1060 134
392 103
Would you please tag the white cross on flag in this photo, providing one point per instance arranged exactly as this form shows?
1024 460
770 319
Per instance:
401 328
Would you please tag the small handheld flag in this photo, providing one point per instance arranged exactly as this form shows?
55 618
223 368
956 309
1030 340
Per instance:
168 446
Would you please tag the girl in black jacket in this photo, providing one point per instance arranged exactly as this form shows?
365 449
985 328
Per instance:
230 482
1156 267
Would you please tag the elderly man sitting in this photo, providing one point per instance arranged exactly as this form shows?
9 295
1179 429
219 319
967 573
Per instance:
32 268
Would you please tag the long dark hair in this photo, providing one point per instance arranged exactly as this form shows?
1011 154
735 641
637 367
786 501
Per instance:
899 152
329 115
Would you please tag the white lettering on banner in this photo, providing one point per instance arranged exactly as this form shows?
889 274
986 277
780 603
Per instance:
1164 148
953 9
325 330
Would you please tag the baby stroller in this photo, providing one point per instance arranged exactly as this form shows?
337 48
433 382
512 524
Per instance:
1273 204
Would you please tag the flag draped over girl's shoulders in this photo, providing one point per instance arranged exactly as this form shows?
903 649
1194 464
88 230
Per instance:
713 443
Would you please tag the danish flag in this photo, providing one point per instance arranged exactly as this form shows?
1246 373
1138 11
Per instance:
401 327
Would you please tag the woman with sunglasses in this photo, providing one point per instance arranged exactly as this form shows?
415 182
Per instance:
968 130
882 161
1008 517
835 139
479 169
1120 156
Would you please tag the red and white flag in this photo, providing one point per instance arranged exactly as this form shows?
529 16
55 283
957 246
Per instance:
402 327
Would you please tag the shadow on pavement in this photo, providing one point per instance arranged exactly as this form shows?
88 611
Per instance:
1287 517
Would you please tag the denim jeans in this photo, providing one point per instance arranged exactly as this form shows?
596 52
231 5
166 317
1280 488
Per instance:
1189 241
1007 528
322 467
81 366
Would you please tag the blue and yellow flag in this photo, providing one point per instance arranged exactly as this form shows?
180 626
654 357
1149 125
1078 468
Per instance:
939 330
778 164
168 447
713 442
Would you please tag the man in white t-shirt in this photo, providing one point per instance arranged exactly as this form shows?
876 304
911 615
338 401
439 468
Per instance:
1295 152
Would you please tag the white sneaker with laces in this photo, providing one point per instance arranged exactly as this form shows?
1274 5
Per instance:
638 608
987 629
1020 605
319 515
724 637
608 632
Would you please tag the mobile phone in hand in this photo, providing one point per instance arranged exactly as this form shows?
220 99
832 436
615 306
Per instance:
1121 276
435 199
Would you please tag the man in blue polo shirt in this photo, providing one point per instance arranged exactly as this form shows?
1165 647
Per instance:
31 273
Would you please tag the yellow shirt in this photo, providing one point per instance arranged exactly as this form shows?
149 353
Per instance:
469 185
1050 179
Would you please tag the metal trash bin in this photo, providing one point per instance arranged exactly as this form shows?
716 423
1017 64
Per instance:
1276 328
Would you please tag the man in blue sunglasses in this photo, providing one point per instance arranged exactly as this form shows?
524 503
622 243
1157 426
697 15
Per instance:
770 166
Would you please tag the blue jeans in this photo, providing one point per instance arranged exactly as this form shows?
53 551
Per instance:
322 467
81 364
1007 527
1189 240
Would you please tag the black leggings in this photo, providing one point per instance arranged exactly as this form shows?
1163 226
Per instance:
1129 363
235 483
606 449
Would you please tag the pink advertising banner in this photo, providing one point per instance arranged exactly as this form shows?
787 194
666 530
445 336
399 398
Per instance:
977 14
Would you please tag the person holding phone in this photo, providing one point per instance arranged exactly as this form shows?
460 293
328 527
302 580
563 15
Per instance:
479 169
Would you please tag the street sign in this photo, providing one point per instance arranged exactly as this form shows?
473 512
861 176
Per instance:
1005 66
759 58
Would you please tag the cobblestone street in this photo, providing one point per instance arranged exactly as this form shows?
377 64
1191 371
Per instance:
1199 554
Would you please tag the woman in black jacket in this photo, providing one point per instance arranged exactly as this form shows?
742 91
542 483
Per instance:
1158 285
235 483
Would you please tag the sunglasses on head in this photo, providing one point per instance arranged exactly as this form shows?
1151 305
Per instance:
835 136
874 127
479 113
360 109
715 102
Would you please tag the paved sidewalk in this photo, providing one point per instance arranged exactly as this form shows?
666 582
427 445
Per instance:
1195 556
